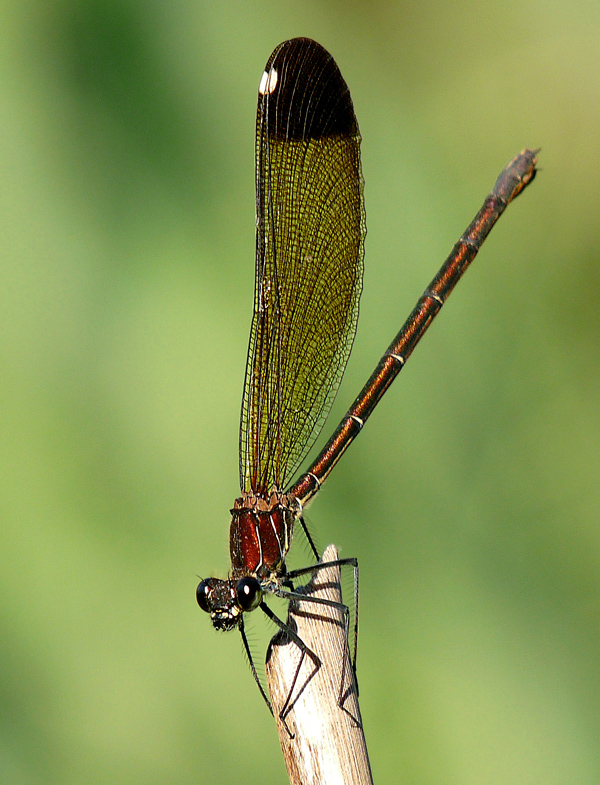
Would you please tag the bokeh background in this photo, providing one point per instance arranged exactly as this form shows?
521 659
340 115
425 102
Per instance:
472 498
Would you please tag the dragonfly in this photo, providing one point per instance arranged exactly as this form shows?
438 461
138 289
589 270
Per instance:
310 236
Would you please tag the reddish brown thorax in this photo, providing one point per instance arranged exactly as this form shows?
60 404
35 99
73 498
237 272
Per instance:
261 534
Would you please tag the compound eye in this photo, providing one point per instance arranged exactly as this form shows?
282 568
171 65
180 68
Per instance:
202 595
248 593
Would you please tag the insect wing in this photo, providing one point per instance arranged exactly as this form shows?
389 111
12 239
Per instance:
309 260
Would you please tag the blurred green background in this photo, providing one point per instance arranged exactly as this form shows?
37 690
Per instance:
472 498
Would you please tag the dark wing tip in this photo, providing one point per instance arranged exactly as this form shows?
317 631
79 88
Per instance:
302 94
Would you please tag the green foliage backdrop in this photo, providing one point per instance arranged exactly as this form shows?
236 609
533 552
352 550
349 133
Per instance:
472 498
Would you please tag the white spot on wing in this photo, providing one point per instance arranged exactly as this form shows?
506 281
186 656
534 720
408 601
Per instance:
268 82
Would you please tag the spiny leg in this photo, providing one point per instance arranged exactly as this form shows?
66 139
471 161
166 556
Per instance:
308 536
304 649
252 667
336 563
342 607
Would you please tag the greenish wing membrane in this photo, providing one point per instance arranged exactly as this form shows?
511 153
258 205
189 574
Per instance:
309 251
